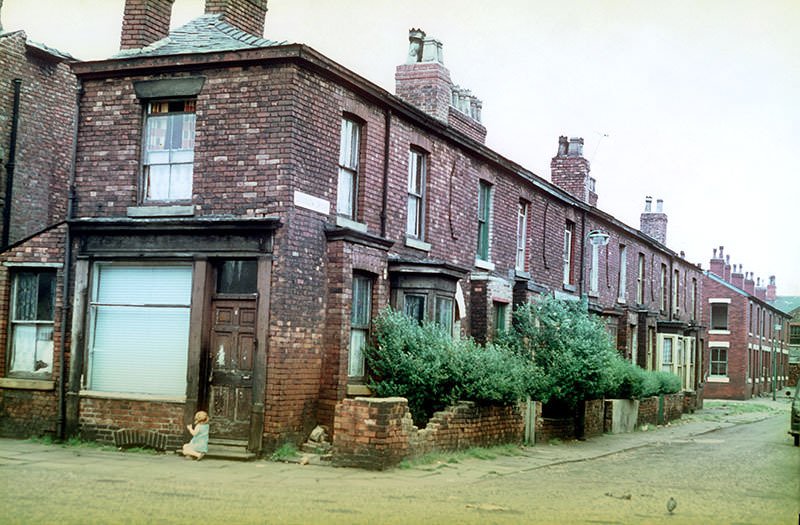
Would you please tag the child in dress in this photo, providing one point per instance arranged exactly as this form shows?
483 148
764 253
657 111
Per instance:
198 446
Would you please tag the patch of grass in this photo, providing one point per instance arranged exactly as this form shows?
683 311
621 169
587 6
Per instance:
732 407
285 452
42 440
444 459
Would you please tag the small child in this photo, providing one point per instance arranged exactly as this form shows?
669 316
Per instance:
198 446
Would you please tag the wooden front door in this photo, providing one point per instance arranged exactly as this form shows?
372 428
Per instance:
231 354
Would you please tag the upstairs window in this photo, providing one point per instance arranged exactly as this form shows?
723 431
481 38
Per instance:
169 150
623 273
32 314
640 280
484 214
522 233
676 294
719 316
794 334
569 250
664 296
415 220
348 169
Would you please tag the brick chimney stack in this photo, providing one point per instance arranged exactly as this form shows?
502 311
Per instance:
761 291
247 15
727 271
654 223
423 81
737 277
772 290
145 22
569 170
749 283
717 263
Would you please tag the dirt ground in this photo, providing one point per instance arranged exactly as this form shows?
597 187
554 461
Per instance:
747 473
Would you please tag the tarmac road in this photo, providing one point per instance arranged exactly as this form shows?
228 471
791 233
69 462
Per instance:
718 472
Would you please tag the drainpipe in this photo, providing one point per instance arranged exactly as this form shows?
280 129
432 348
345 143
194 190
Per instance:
65 303
583 254
386 146
12 154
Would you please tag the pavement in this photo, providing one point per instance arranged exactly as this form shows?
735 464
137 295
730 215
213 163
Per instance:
695 427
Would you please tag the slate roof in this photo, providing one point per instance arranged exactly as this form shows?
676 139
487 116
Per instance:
205 34
60 55
787 303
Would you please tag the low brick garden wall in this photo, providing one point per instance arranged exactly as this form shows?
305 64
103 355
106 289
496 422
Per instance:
378 433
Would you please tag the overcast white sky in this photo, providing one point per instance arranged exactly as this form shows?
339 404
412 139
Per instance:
698 98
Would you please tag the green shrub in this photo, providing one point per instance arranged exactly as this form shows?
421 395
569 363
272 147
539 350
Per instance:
433 370
571 347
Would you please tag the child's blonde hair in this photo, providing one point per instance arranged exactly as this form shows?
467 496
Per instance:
201 417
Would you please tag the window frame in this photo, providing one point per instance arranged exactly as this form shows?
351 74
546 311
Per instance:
147 151
568 253
94 306
349 164
483 249
664 289
794 334
640 278
715 305
717 351
14 322
522 235
622 274
360 325
416 192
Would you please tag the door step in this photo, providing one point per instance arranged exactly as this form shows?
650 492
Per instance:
230 449
232 452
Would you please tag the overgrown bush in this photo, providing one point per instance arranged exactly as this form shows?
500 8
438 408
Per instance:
571 347
577 356
433 370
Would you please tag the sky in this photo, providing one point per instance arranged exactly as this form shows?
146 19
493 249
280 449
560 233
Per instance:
689 101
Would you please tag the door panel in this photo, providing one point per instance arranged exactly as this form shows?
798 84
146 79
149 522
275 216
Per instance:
233 347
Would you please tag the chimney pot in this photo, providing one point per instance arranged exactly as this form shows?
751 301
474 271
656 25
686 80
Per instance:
660 206
648 202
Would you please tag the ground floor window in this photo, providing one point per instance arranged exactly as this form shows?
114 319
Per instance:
139 328
32 313
719 362
666 355
359 324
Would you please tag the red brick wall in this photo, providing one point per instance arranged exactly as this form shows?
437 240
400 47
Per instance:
44 135
594 415
23 412
648 412
145 22
26 413
247 15
376 433
100 418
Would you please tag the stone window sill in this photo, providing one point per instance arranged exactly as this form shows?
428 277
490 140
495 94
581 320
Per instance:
160 211
358 390
719 379
418 244
27 384
484 265
132 397
344 222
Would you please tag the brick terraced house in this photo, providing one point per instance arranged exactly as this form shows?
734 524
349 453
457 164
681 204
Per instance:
747 351
37 129
243 208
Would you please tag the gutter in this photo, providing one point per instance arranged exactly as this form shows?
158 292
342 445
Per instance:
65 302
12 155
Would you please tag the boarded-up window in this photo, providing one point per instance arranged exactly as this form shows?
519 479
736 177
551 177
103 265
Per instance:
139 328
